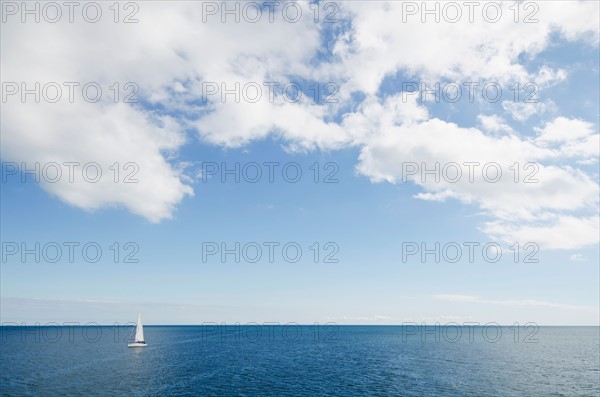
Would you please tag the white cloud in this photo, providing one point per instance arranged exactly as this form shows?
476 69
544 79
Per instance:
563 129
577 257
434 140
559 232
547 209
380 43
571 138
236 124
547 76
514 302
103 134
522 111
494 124
169 56
374 318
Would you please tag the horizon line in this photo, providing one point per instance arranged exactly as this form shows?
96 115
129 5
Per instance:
213 324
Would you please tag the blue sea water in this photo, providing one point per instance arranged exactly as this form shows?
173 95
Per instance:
325 360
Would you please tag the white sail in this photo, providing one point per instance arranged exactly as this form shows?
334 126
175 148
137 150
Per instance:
139 330
139 334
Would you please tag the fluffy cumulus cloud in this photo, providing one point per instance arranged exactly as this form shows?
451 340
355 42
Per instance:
504 175
83 142
183 57
167 53
571 138
387 37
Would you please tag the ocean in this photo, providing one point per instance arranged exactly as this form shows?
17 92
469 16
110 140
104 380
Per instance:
294 360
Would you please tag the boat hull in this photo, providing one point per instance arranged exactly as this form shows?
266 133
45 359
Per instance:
137 344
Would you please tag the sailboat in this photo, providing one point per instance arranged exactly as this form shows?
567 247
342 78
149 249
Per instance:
139 334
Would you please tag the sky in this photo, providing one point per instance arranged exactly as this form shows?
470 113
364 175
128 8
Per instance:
311 162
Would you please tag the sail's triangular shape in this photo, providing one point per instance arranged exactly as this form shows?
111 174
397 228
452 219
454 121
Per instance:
139 330
139 334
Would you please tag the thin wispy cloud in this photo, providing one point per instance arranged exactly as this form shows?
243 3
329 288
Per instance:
514 302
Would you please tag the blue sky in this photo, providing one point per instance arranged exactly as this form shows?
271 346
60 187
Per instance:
367 214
